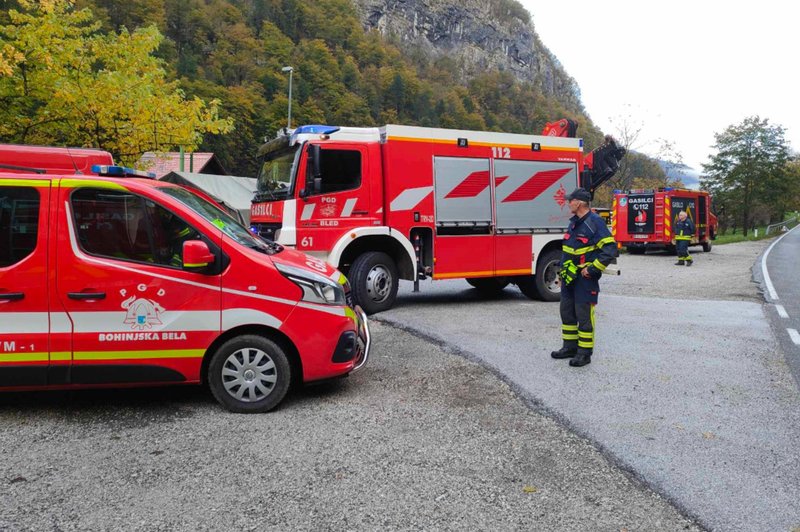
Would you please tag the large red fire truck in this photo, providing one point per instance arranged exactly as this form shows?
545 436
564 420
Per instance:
643 219
403 202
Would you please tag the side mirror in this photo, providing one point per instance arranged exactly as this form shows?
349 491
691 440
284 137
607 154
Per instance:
313 172
196 255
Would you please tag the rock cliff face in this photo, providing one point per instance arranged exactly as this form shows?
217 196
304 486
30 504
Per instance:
480 35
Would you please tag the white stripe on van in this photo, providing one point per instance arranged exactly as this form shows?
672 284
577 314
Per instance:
24 322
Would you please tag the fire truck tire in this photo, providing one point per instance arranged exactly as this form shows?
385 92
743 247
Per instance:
373 277
488 285
545 285
249 374
706 246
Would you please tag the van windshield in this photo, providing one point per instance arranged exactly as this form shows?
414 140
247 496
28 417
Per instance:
229 225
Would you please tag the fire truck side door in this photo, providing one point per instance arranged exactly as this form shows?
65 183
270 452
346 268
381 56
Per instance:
338 201
702 216
137 316
24 316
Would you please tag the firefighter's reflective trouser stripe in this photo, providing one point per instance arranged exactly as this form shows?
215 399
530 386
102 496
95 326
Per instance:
682 246
577 319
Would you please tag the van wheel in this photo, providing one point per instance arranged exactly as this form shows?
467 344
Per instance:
373 277
546 284
249 374
488 285
707 246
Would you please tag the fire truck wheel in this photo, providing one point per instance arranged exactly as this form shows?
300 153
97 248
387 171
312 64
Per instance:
706 247
545 285
249 374
373 277
489 285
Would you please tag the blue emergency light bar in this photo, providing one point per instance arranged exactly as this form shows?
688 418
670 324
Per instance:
120 171
315 129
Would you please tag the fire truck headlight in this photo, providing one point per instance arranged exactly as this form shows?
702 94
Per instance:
316 288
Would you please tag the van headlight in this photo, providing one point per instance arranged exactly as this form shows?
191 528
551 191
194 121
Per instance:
316 288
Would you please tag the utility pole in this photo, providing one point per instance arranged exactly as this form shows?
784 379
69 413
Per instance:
290 70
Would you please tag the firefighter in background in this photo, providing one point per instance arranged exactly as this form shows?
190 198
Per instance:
588 248
684 231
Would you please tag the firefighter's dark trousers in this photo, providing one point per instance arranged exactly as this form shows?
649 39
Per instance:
577 322
682 247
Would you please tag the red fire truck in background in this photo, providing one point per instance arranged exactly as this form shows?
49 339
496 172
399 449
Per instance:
643 219
403 202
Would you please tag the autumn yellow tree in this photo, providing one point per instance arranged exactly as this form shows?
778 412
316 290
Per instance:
63 82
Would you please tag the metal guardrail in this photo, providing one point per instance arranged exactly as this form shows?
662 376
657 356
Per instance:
786 223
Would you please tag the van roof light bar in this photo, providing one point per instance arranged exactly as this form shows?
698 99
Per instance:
120 171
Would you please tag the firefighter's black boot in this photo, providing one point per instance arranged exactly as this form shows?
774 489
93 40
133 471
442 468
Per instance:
583 357
689 262
680 262
564 352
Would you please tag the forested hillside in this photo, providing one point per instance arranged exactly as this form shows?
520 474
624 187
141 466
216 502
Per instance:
234 51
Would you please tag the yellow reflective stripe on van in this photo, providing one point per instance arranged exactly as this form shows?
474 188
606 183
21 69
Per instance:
76 183
23 357
139 355
65 355
24 182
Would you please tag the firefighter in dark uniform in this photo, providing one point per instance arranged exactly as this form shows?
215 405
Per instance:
684 231
588 248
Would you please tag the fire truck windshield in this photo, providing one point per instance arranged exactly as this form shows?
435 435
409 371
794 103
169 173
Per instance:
277 172
223 220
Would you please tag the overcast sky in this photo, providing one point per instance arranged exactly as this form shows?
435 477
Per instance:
683 70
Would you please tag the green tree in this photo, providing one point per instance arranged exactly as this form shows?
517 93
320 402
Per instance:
748 170
71 85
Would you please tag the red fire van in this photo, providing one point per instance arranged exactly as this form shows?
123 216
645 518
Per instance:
126 282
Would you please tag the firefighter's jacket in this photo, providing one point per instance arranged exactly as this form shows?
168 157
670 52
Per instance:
684 230
589 244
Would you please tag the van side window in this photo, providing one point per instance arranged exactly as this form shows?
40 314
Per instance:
19 223
125 226
341 170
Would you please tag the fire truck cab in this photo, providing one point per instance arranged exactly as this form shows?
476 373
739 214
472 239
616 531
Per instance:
642 219
404 202
122 281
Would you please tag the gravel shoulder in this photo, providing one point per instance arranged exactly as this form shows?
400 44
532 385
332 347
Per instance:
723 274
421 439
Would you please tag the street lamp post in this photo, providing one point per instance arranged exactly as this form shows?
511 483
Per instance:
290 70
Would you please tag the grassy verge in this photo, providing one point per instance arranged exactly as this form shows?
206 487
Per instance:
761 231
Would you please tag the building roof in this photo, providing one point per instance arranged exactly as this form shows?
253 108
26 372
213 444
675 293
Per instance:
163 163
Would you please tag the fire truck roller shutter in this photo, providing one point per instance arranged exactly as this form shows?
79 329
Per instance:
462 192
530 194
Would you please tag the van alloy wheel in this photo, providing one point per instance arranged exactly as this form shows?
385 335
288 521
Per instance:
249 375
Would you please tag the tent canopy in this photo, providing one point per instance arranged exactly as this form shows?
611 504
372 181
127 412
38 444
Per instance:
233 192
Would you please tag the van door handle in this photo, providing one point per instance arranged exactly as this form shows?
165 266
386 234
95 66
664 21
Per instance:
12 296
86 295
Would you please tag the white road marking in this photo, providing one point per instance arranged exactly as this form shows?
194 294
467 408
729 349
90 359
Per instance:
781 311
794 335
771 289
